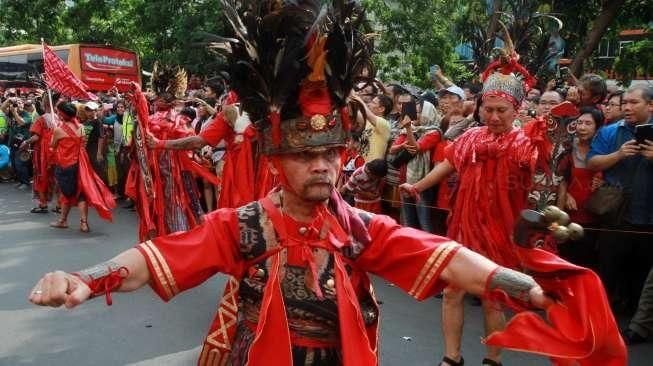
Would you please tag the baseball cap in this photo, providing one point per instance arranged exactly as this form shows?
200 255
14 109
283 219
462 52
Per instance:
91 105
455 90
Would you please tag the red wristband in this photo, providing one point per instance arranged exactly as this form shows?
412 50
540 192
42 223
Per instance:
103 279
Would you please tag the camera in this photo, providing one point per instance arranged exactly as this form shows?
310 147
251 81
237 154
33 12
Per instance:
561 78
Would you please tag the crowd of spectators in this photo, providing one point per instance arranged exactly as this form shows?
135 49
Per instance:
400 135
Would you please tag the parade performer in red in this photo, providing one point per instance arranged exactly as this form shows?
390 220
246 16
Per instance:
299 292
40 139
245 176
495 164
161 182
78 182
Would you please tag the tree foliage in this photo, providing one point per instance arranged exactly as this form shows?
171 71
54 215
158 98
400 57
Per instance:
635 59
158 30
530 24
411 36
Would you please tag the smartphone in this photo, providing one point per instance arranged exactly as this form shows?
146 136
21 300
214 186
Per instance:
643 132
432 70
409 109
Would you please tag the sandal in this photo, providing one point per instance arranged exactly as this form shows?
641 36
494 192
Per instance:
83 226
451 362
57 209
59 224
489 362
39 209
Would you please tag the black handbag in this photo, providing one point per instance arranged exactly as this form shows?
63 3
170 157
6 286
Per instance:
605 199
609 202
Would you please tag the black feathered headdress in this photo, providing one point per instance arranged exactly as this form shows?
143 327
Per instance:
293 64
168 82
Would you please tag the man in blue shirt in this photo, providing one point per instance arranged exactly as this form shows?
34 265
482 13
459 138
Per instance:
625 257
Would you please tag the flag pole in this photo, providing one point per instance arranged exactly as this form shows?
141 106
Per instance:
47 87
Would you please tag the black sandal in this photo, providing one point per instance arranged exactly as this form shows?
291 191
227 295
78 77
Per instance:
489 362
451 362
39 209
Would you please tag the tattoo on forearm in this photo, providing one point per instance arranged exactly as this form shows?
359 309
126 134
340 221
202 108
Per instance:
98 271
515 284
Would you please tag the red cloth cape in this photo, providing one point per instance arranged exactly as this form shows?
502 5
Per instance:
238 173
95 191
580 329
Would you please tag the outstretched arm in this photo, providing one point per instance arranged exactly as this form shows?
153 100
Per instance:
62 288
170 264
185 143
473 273
422 264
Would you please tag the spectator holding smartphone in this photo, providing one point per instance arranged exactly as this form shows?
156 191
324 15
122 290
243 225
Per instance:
625 257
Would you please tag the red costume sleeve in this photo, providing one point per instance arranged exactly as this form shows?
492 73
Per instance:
449 154
181 261
400 140
581 329
411 259
216 131
429 141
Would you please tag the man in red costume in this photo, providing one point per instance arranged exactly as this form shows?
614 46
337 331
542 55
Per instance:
241 182
495 164
299 292
161 182
42 131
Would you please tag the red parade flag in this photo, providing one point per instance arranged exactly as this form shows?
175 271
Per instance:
59 77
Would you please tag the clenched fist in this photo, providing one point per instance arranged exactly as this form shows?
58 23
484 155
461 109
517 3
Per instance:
59 288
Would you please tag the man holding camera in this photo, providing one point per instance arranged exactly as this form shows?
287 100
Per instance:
625 155
18 122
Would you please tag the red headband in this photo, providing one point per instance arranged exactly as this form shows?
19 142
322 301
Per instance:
502 94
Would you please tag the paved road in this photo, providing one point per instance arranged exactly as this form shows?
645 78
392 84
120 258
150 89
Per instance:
139 329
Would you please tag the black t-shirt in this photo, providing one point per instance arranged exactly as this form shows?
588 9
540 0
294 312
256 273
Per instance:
94 132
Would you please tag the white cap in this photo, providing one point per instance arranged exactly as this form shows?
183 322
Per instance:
92 106
453 90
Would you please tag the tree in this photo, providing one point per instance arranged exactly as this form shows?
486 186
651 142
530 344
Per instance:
530 24
581 18
609 12
412 35
634 60
156 30
28 21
